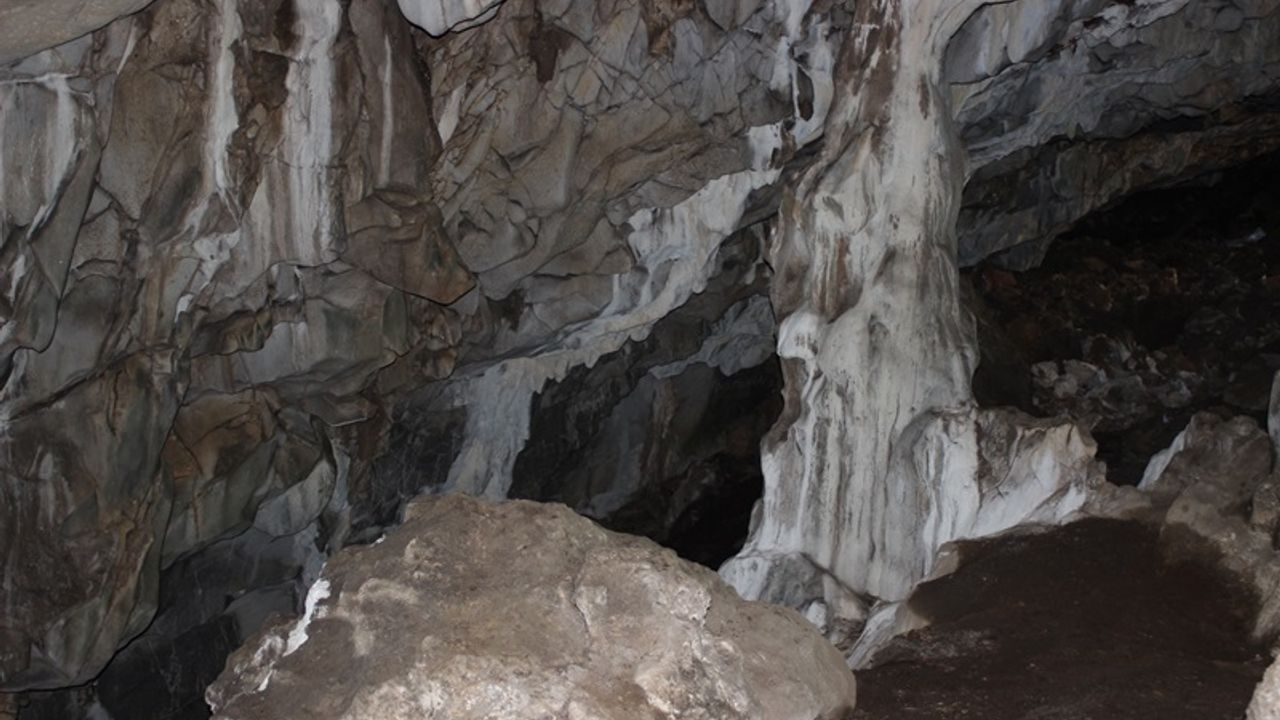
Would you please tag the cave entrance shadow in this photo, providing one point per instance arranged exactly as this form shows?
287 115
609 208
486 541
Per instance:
1161 305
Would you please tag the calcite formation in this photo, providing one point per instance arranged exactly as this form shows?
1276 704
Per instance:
281 264
521 610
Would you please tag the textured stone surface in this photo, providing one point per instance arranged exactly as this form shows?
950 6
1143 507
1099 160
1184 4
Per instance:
176 329
255 244
1234 455
518 610
1266 700
1066 106
29 26
1205 484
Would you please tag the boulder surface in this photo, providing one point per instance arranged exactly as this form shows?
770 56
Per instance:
522 610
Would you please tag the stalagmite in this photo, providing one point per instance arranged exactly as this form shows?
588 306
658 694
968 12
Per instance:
870 469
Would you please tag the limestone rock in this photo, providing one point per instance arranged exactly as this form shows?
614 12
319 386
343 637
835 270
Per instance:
519 610
1266 699
1056 130
440 16
29 26
1265 511
1234 456
1208 479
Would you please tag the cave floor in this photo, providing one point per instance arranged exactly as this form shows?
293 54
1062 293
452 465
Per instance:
1082 622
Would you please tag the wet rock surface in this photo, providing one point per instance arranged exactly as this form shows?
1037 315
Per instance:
1085 621
520 610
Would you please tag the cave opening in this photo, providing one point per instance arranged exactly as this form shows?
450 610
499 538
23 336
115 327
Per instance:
1161 305
1153 323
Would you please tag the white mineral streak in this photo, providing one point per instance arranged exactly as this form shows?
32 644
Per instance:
388 112
675 252
302 232
42 163
438 17
448 121
876 463
1266 699
318 593
223 120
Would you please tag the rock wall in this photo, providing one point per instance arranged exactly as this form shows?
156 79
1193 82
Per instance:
280 265
1068 106
249 230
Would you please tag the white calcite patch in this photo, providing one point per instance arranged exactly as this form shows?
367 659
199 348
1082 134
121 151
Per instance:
1266 699
318 593
292 214
675 252
223 118
39 130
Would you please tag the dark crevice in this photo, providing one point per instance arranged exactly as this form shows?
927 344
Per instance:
1157 307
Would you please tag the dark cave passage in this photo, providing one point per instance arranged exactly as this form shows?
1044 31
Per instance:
676 459
1147 312
1084 622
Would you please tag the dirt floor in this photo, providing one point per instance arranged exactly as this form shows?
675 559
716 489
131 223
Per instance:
1082 623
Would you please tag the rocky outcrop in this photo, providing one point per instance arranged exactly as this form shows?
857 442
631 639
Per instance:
1207 484
280 265
519 610
29 26
193 307
286 256
1266 700
1067 106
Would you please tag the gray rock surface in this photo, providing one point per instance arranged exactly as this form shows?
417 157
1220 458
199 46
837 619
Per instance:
1266 699
254 244
29 26
1212 486
1065 106
520 610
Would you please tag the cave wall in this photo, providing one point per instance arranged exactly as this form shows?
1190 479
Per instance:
281 265
1065 107
247 231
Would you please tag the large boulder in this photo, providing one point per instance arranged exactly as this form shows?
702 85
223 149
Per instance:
1214 482
522 610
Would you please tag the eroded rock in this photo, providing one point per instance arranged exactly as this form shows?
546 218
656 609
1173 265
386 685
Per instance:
1266 699
520 610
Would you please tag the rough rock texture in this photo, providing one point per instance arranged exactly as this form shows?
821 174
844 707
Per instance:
29 26
248 189
1208 479
256 243
235 340
1144 314
1066 106
519 610
1266 700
